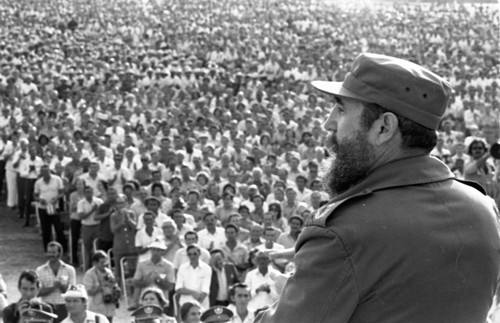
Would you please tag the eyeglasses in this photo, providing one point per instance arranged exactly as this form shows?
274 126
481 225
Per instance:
192 254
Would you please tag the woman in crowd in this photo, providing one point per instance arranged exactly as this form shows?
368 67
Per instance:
190 312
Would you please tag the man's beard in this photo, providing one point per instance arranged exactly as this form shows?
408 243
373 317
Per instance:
351 164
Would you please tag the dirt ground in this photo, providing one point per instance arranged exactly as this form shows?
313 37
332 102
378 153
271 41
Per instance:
20 249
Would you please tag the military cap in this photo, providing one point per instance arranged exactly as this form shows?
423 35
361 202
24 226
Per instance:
216 314
397 85
37 316
148 314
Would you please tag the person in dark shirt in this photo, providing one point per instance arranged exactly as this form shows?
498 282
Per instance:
29 286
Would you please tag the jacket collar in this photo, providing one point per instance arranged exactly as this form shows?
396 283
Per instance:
398 173
401 172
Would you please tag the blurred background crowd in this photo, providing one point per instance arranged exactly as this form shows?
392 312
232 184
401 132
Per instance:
180 142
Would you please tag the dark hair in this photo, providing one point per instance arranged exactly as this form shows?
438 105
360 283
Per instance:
413 134
159 185
233 287
216 250
191 233
98 255
475 142
186 307
193 246
230 225
207 214
29 275
278 209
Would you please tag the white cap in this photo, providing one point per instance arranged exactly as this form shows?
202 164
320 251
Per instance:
76 291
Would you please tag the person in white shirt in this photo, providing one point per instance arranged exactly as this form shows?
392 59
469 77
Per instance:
86 209
181 257
76 304
48 191
29 170
193 279
240 297
212 236
118 175
93 177
145 236
261 283
116 132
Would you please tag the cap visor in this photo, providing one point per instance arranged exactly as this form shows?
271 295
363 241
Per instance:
336 89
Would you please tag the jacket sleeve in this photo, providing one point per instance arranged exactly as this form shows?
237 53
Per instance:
323 288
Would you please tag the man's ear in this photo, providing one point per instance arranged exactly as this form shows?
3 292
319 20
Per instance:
385 128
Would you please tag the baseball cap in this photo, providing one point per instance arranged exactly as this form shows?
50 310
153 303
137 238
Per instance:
76 291
400 86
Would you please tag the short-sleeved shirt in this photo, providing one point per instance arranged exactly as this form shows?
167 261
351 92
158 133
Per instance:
47 277
84 206
48 190
163 267
142 239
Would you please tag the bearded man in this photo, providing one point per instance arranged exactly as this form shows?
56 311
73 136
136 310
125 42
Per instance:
401 240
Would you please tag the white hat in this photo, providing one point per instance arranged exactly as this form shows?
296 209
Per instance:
76 291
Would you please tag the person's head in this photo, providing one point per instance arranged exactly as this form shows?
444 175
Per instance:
296 223
169 229
112 193
45 171
209 220
157 249
217 258
193 253
386 109
268 219
153 296
477 148
54 251
94 168
269 234
149 219
256 232
100 260
179 217
190 312
76 299
275 209
262 259
191 238
28 285
239 294
227 200
231 232
152 203
290 193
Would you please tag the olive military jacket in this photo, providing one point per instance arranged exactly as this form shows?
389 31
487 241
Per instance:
409 243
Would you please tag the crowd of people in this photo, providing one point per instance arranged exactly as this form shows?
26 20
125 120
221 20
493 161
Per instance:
181 142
